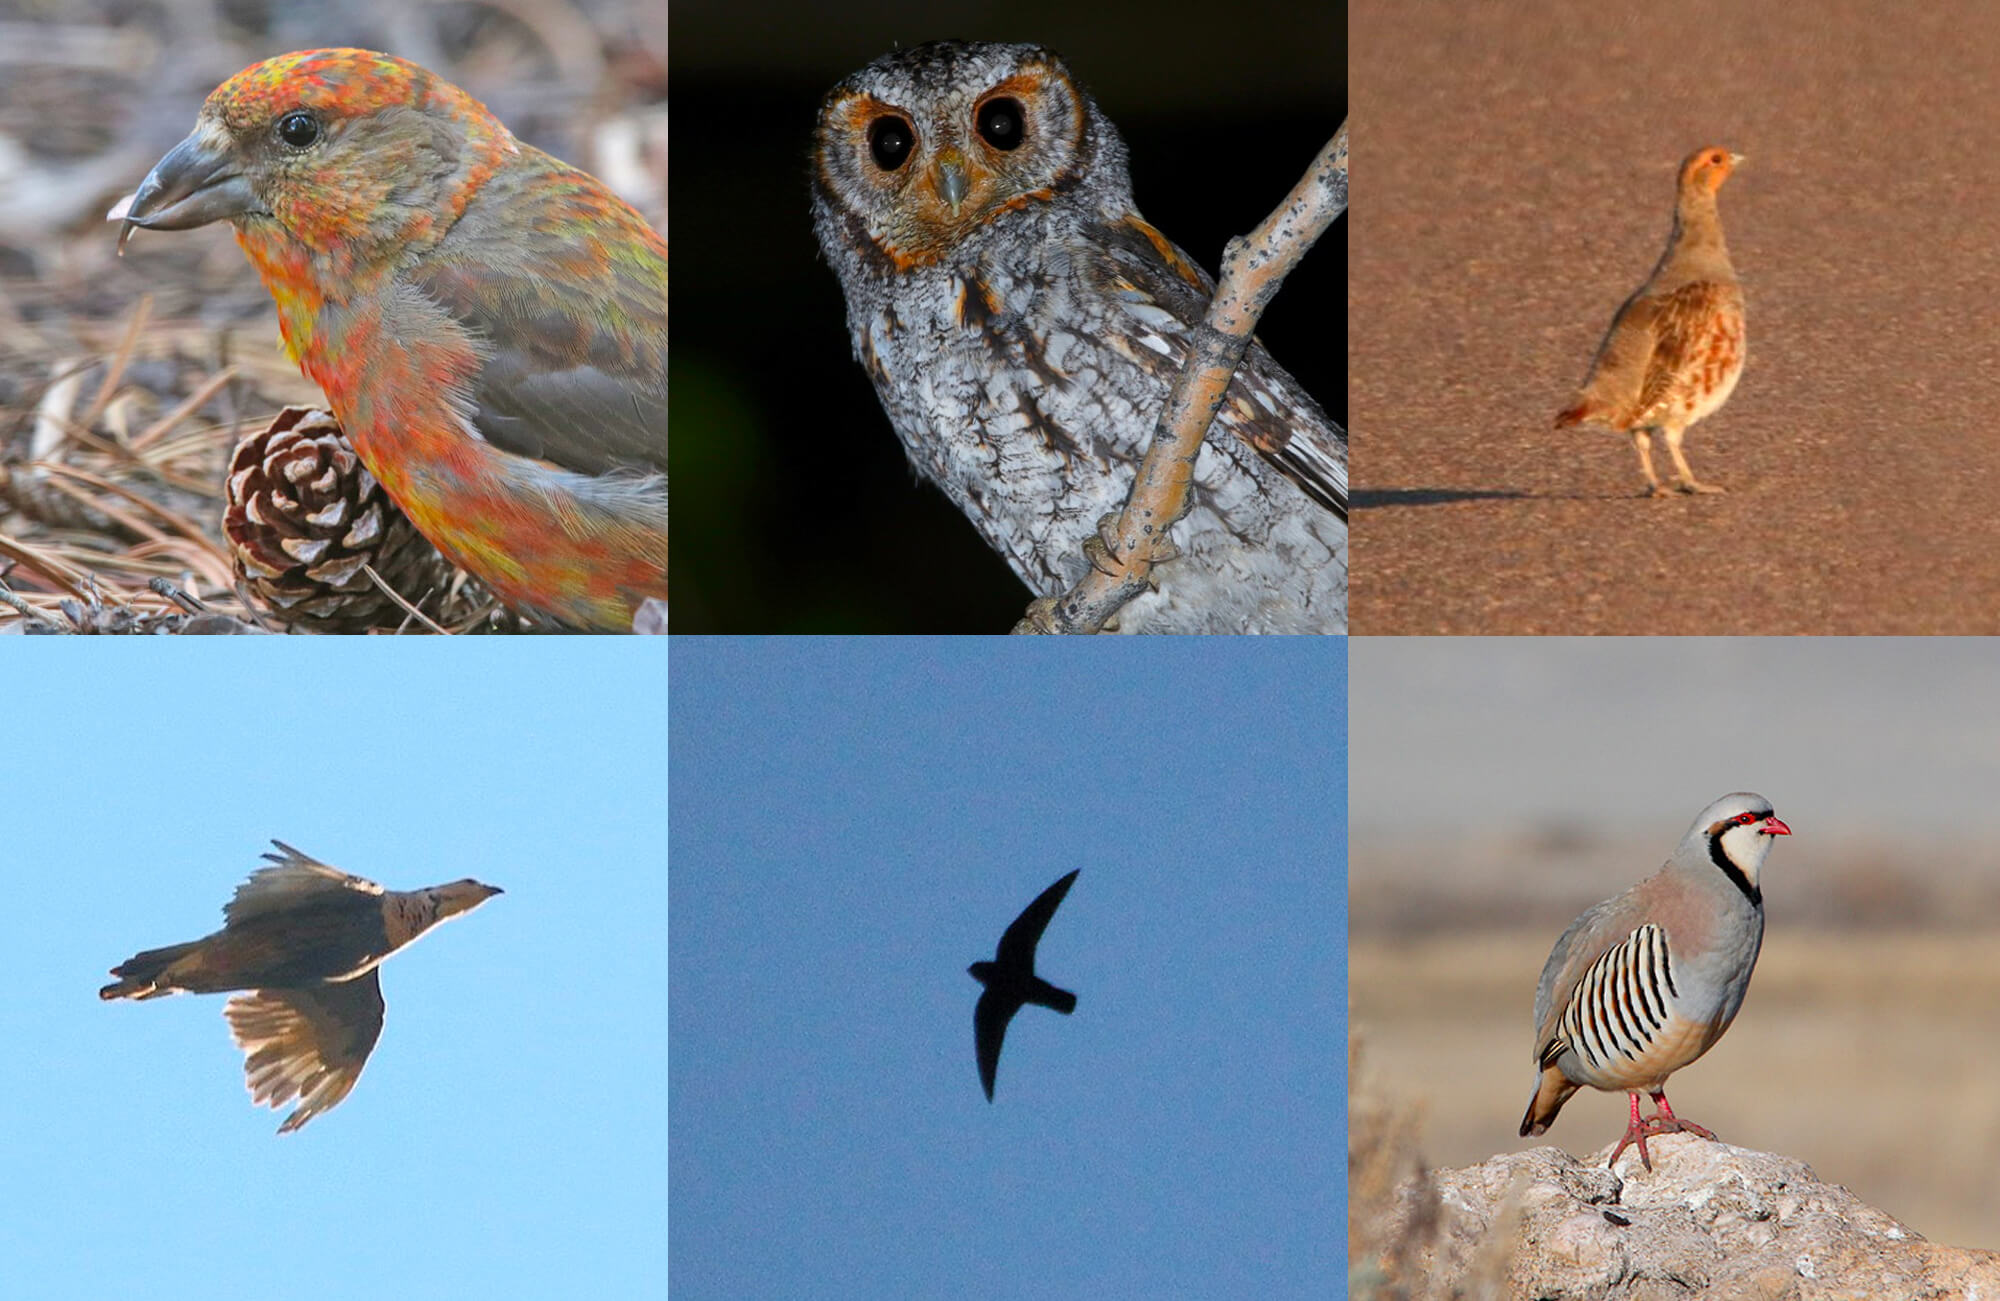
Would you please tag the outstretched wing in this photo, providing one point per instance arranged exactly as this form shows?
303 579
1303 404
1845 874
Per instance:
1017 945
989 1029
296 879
308 1043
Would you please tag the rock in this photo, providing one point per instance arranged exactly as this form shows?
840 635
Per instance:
1709 1220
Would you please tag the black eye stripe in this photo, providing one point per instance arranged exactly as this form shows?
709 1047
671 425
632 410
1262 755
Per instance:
1753 893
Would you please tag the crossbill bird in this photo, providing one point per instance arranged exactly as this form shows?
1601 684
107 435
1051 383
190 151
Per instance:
488 323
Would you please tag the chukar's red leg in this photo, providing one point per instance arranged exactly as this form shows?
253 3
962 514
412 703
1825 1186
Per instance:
1635 1132
1667 1122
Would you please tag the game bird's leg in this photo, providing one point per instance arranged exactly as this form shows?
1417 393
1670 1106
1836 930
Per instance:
1681 471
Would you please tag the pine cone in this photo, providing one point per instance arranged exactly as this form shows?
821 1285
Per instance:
304 516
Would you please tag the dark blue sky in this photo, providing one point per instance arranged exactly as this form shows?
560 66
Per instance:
856 821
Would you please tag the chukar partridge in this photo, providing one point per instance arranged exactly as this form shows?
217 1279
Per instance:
1675 349
305 940
1645 983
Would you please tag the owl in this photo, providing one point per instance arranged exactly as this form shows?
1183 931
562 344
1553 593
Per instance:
1023 324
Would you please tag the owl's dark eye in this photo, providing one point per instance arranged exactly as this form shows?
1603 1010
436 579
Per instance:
299 129
890 141
1000 123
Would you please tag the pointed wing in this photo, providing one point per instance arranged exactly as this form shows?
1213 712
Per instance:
989 1028
297 878
308 1043
1017 945
1166 296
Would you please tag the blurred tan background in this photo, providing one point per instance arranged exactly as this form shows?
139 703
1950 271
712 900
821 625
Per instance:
1499 787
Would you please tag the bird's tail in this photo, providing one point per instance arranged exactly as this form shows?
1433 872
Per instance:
1551 1091
1578 413
1047 995
139 977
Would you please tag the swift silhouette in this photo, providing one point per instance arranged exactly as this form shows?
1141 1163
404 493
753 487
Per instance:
1011 981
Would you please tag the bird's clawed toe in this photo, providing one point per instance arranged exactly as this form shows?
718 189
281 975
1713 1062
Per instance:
1654 1126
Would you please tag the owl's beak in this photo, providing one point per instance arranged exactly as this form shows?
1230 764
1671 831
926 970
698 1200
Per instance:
953 184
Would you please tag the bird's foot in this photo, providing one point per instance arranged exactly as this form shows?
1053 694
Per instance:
1040 618
1634 1133
1671 1124
1652 1127
1690 487
1657 489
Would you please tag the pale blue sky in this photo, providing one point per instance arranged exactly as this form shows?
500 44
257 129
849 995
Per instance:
508 1137
857 821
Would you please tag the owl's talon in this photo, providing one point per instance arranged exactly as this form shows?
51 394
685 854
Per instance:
1098 552
1158 551
1040 618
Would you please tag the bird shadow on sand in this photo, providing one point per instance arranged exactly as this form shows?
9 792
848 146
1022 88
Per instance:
1378 498
1382 498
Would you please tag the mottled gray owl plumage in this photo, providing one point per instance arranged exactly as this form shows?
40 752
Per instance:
1023 324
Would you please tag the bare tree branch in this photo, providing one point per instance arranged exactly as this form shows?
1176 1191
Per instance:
1130 543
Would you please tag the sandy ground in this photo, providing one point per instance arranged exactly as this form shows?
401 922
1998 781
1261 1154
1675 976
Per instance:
1515 183
1870 1057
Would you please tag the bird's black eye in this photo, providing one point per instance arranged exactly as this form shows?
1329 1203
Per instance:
890 141
1000 123
299 129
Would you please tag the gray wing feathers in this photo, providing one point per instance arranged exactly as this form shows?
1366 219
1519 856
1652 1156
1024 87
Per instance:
296 877
308 1043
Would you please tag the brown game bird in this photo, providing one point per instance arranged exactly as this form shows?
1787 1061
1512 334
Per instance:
305 939
1675 349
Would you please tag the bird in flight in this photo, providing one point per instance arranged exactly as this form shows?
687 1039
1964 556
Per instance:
1010 980
304 939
